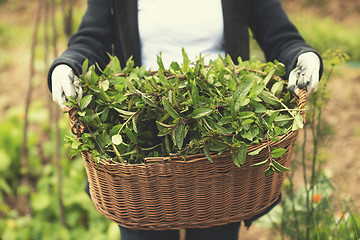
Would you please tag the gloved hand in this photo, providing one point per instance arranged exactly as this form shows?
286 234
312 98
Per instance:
64 84
305 74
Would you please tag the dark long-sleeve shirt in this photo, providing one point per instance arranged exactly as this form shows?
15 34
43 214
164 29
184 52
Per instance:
111 26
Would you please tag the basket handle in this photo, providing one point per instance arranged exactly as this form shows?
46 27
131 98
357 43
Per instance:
302 98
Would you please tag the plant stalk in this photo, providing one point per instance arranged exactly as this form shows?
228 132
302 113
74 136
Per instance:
25 178
57 128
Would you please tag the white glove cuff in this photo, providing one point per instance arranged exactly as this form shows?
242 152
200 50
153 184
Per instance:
311 57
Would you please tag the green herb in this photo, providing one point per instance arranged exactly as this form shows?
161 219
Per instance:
196 108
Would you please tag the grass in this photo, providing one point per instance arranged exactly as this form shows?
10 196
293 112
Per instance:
323 34
326 33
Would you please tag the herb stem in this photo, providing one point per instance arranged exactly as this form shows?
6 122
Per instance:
269 147
127 121
282 104
117 153
94 138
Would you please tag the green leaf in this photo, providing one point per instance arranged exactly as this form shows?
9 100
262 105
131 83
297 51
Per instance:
256 89
235 158
195 94
253 77
224 120
219 64
134 123
104 114
148 101
259 108
82 114
124 112
207 153
131 135
104 139
103 96
160 63
269 76
165 125
217 146
129 65
280 167
186 61
162 79
164 132
269 98
150 148
85 66
71 104
281 118
115 64
269 170
242 152
180 135
251 133
172 98
228 60
259 164
278 152
117 139
277 88
85 101
167 145
242 90
246 114
201 112
272 116
280 68
93 78
174 68
247 121
169 109
104 84
241 101
256 152
298 122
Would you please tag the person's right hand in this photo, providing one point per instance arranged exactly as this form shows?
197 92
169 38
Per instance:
64 84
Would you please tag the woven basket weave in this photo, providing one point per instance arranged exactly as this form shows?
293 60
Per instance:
165 194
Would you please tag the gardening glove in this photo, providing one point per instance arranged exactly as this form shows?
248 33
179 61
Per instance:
64 84
305 74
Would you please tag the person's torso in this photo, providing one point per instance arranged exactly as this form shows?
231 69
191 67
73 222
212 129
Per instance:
167 26
232 14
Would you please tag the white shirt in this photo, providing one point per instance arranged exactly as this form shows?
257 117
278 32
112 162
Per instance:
167 26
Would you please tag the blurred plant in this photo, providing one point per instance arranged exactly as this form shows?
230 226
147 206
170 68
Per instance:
291 220
82 219
10 142
308 213
328 33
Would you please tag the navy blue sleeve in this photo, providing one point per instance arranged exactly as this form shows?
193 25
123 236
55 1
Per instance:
92 41
276 35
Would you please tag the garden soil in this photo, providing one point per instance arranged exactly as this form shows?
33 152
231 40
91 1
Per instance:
341 112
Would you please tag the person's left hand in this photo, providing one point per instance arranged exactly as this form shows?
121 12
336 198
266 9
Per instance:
305 74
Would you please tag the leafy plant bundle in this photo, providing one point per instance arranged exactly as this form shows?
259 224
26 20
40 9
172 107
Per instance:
131 114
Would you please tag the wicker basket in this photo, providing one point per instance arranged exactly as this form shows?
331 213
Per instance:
176 194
